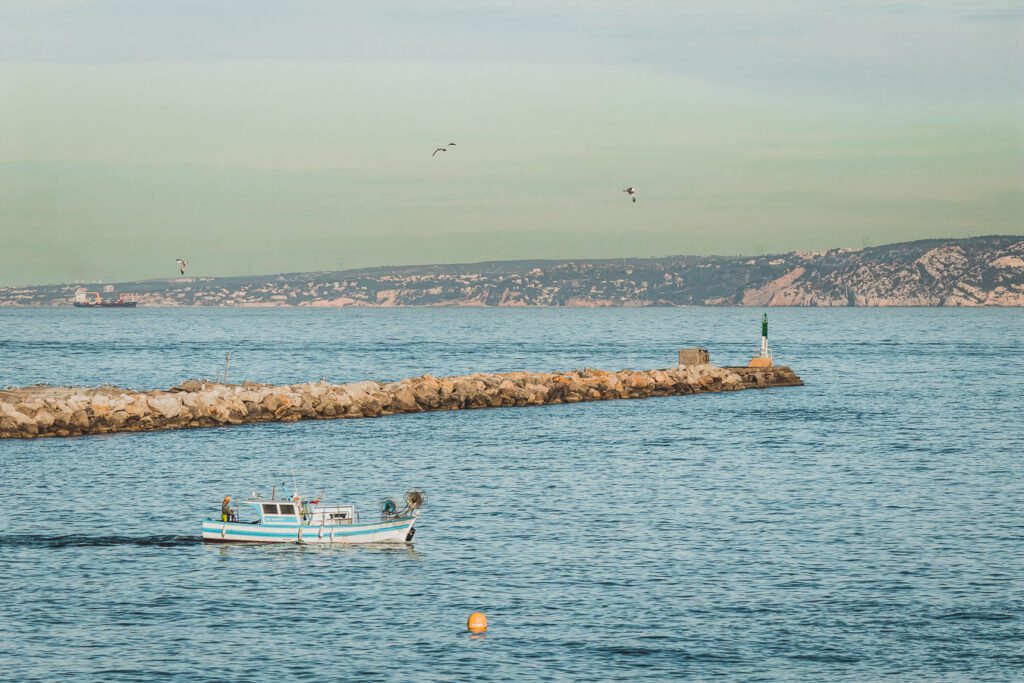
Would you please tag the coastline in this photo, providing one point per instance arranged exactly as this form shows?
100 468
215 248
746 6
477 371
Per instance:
975 271
473 305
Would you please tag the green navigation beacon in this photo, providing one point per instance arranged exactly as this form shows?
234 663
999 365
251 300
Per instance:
764 337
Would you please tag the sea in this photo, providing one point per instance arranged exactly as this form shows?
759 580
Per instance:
867 526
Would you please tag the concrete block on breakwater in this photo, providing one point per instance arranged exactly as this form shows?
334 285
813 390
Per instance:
70 411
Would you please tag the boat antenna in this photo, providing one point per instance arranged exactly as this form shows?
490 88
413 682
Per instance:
295 484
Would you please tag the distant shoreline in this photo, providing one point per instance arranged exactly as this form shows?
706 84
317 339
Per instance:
166 307
973 272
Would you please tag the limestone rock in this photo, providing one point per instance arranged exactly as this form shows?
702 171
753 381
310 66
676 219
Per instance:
404 401
166 406
100 405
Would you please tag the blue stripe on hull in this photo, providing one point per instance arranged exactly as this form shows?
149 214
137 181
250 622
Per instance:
245 525
309 532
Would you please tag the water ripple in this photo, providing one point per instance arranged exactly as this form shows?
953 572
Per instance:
864 527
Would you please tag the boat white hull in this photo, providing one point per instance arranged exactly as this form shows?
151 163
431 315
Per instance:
391 531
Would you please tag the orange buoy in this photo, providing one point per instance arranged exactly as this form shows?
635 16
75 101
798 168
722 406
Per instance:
477 622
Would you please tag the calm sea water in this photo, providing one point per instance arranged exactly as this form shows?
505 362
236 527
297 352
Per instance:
866 526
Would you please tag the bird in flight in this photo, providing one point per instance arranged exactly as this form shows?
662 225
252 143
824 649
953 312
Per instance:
631 191
181 265
443 149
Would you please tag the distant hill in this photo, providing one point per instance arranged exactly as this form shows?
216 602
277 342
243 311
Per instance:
978 271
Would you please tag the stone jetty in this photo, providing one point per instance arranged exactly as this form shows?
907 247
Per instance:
70 411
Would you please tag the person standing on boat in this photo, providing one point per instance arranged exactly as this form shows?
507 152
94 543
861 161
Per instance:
225 510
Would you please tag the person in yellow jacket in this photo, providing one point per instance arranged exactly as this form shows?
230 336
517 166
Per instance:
226 515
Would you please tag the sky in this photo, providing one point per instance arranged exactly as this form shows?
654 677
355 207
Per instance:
263 136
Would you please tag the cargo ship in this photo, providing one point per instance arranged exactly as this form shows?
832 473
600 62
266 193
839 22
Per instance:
86 299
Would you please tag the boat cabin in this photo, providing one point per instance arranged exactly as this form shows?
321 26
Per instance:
274 512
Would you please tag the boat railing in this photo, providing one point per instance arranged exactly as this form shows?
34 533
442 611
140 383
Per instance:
330 518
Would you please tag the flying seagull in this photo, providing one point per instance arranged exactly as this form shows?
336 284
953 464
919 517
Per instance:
631 191
443 149
181 265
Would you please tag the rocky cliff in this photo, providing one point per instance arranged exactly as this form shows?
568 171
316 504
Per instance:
67 411
980 271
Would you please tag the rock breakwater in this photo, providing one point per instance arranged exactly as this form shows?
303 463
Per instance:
70 411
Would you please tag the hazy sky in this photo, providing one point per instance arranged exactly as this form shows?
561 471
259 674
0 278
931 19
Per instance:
264 136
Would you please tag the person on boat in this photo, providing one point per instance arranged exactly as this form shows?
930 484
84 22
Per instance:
226 515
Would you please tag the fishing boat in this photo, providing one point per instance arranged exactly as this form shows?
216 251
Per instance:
309 521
